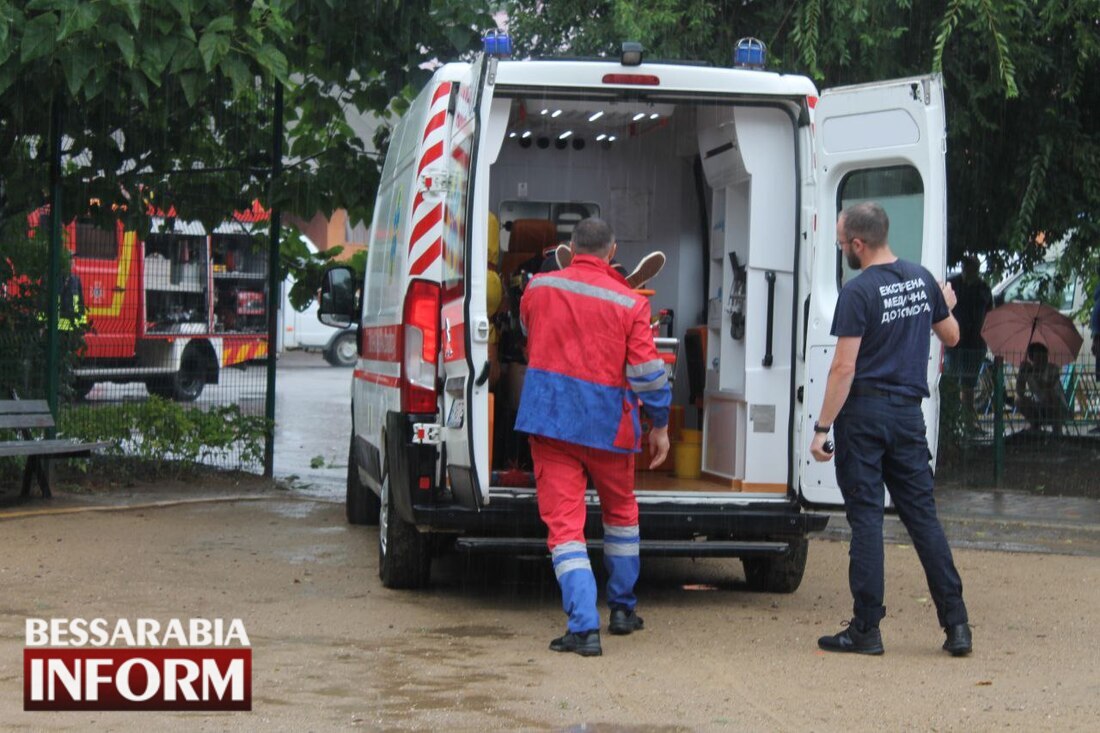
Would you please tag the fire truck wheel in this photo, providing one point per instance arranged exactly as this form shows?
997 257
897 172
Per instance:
777 574
363 505
404 554
343 352
187 383
81 388
159 386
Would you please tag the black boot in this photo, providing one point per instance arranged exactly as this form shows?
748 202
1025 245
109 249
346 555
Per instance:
960 641
624 621
853 640
585 643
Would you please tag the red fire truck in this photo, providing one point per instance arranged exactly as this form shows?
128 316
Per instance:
173 310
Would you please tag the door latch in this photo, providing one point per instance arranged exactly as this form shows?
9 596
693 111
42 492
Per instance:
426 433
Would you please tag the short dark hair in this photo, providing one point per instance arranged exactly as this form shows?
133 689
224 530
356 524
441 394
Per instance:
1036 349
593 236
867 221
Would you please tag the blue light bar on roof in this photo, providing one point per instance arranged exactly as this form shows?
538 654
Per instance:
497 43
749 53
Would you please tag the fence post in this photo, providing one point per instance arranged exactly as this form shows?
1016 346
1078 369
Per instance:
998 420
274 282
53 273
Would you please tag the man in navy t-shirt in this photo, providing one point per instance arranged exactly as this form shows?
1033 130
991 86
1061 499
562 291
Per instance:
876 383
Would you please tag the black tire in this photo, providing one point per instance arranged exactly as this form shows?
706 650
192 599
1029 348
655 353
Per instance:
159 386
778 574
187 383
343 352
363 505
404 554
81 388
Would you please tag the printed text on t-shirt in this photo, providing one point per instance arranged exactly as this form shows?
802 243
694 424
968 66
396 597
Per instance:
904 300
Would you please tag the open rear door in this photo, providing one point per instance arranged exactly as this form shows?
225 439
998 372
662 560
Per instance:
465 325
883 142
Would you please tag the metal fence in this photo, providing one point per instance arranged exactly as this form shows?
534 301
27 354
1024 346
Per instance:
151 333
1016 425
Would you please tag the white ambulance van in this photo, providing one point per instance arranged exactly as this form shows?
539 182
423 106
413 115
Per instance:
737 175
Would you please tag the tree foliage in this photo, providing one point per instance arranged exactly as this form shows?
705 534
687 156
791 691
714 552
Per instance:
1020 77
173 98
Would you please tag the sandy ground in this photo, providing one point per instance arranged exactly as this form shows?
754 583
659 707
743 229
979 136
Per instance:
334 650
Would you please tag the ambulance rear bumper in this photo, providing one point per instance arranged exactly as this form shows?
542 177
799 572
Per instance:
516 516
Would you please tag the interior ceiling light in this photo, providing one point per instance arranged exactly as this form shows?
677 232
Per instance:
565 134
654 116
545 112
556 113
639 116
512 133
601 136
611 139
596 116
526 134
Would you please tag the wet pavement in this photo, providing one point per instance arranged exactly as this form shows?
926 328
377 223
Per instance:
312 424
311 456
1012 521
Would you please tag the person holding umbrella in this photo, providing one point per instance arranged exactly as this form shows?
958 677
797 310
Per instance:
1039 394
1011 329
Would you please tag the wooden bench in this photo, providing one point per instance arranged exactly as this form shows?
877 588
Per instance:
23 416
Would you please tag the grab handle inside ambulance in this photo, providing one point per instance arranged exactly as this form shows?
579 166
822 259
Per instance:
770 277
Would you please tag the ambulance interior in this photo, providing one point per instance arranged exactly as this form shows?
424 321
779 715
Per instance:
711 184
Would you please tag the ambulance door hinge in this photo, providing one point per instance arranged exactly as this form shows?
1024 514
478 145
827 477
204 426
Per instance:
424 433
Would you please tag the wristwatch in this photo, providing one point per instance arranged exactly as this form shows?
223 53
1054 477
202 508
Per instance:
822 428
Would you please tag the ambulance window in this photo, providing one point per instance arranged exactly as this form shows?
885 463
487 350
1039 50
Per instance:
94 243
900 191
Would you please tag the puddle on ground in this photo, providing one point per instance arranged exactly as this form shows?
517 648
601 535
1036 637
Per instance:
472 632
292 509
314 554
616 728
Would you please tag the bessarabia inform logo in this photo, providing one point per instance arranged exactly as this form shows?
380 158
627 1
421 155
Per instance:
96 664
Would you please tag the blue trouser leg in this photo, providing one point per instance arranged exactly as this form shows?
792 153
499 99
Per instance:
909 479
578 585
860 445
882 441
620 557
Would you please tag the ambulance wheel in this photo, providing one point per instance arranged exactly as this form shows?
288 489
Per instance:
777 574
404 555
344 351
363 505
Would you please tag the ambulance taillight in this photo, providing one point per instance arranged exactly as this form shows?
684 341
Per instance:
420 331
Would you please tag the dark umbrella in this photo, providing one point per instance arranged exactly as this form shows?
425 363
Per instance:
1009 329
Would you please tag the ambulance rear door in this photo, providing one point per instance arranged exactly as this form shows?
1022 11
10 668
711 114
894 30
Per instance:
465 324
881 142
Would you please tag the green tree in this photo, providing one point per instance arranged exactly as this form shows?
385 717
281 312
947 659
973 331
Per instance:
173 98
1020 78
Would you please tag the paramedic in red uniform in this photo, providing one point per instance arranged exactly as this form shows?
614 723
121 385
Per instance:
591 361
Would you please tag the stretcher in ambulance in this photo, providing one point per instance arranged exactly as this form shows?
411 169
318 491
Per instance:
736 175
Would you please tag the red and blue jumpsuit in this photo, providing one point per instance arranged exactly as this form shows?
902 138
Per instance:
590 357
